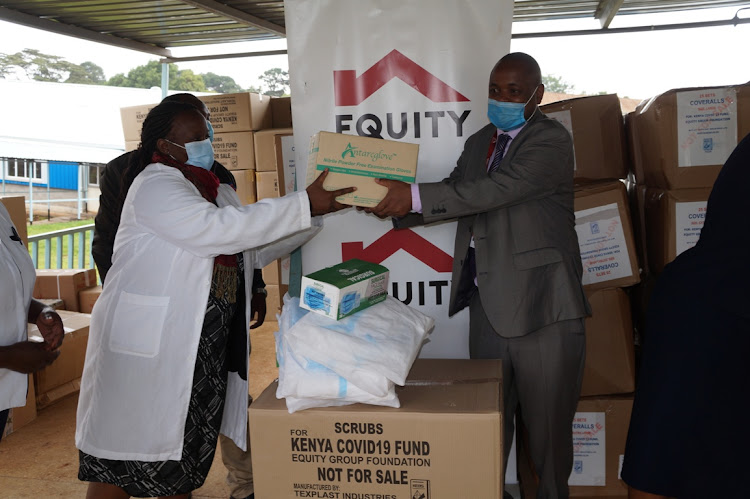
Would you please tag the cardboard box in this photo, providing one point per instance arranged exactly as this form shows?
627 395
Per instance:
427 448
16 206
344 289
281 112
267 185
245 180
62 377
21 416
54 303
240 112
605 236
272 273
683 137
64 284
286 164
132 121
235 150
274 300
87 298
358 161
610 349
596 124
637 195
265 148
131 145
600 428
674 220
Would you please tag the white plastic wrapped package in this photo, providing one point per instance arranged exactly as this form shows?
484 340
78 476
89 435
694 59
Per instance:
369 349
305 384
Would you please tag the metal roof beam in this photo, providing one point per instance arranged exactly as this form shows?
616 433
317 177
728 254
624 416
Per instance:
606 11
635 29
66 29
223 56
237 15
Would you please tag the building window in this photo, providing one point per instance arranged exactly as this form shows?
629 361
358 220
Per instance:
95 173
25 170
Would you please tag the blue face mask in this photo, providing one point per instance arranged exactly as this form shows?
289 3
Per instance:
507 116
200 153
210 131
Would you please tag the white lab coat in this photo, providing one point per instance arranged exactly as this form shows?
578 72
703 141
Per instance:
146 325
17 276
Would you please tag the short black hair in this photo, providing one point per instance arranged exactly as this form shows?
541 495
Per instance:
534 71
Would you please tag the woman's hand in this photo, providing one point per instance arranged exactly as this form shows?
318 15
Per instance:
27 356
323 201
51 328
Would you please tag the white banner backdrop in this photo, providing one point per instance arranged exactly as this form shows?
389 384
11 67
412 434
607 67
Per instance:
409 70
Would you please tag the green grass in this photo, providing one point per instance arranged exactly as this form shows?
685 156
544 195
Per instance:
38 228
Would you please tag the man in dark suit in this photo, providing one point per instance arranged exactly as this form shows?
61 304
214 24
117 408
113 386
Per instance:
517 263
237 462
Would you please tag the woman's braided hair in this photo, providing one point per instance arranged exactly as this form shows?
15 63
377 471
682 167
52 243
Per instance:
157 125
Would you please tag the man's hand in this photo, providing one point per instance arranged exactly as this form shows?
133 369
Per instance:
258 306
51 328
396 203
27 356
323 201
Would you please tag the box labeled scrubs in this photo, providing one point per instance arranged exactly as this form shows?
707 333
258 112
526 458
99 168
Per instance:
344 289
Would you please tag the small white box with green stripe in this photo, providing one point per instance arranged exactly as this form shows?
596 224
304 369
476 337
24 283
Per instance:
357 161
344 289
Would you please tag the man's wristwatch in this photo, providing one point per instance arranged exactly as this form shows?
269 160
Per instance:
260 291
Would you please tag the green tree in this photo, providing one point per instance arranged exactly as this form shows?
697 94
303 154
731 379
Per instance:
188 81
36 65
220 84
86 73
557 85
276 80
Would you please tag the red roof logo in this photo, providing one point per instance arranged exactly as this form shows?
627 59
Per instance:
392 241
351 90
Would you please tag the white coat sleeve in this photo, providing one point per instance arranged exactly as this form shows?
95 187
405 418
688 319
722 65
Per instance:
169 206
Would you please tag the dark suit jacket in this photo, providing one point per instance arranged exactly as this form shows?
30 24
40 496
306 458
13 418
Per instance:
521 216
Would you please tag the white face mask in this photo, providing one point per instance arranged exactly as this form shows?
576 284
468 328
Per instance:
200 153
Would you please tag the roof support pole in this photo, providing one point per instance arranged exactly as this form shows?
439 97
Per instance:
164 79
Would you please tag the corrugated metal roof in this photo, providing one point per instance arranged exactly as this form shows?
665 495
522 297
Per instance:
155 25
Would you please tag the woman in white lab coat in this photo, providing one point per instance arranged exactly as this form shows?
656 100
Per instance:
18 356
172 319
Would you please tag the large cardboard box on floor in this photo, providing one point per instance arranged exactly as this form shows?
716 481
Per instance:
16 206
240 112
445 442
21 416
600 428
610 348
683 137
265 148
674 220
64 284
62 377
245 180
357 161
235 150
596 124
132 121
605 236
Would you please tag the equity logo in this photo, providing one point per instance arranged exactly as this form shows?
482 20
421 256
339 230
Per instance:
392 241
351 89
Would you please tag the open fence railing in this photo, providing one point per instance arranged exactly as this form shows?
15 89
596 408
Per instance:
71 246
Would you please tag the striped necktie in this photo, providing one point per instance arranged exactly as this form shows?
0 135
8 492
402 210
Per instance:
502 141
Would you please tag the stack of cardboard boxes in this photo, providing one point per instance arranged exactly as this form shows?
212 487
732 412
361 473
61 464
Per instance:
63 289
610 270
